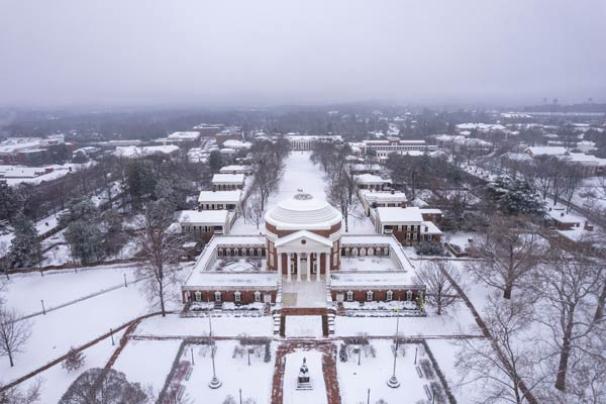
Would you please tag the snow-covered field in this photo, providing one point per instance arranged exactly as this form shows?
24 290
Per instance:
304 326
376 367
233 371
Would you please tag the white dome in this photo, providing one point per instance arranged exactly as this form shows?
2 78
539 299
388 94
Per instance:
303 212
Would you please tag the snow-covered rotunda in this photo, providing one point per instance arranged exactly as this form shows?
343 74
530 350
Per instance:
303 237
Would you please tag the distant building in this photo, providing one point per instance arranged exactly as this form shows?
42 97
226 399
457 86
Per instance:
371 182
384 147
219 200
204 224
406 224
227 182
381 199
307 142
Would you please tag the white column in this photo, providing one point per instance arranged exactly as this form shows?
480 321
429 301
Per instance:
288 258
328 258
279 257
308 266
299 267
317 257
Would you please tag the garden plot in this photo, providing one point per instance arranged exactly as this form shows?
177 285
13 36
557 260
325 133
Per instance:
225 326
248 264
456 321
148 362
235 368
294 361
369 365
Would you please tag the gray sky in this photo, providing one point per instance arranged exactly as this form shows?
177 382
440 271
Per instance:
57 52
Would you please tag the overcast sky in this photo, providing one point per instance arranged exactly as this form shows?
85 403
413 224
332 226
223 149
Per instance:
57 52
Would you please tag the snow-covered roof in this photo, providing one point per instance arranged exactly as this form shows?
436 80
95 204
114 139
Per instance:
232 281
144 151
235 168
365 167
228 179
584 159
220 196
547 150
375 279
370 179
184 136
383 197
205 217
399 215
431 211
429 228
237 144
303 212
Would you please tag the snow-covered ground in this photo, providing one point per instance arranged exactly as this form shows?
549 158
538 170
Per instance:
457 320
225 326
233 371
304 326
369 263
148 362
376 367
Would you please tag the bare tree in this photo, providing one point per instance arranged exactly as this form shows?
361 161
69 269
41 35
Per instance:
340 193
505 365
13 333
568 285
255 208
434 275
95 386
14 395
507 253
161 245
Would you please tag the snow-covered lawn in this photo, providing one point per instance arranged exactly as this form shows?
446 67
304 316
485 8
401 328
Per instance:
24 291
225 326
233 371
304 326
53 334
374 371
148 362
294 361
457 320
56 380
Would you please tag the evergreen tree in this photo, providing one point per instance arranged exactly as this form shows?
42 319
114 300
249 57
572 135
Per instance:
10 202
25 250
515 196
140 181
85 240
215 161
74 360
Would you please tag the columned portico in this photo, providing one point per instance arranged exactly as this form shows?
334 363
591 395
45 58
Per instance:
303 263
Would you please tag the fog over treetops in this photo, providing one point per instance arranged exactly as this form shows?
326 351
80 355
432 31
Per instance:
70 52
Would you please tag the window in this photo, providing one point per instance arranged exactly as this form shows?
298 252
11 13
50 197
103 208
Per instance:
349 296
409 295
217 296
198 295
369 296
257 296
389 295
237 297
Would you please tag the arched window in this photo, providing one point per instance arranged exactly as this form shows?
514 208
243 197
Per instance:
409 295
257 296
198 295
217 296
369 296
349 296
389 295
237 297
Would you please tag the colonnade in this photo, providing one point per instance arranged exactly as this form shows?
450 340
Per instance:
312 259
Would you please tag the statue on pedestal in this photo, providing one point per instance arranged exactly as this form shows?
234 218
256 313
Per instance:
303 381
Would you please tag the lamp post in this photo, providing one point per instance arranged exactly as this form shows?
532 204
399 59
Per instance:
214 383
393 380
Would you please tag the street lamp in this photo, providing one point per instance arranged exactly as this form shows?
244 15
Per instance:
214 383
393 380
